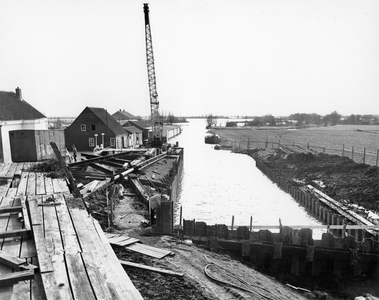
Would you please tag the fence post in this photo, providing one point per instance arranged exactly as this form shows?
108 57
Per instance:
266 145
352 153
343 149
377 156
364 155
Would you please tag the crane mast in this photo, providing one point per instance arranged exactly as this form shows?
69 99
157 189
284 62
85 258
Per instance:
156 138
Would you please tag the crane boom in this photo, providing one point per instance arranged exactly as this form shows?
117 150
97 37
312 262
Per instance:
156 139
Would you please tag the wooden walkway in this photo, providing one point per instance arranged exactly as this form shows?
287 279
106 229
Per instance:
42 224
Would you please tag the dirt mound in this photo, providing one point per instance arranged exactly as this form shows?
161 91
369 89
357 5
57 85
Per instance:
50 166
339 177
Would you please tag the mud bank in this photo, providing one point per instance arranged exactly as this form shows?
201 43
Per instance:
339 177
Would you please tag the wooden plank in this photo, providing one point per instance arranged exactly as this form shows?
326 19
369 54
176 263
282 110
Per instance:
129 242
56 186
54 289
12 246
69 238
49 185
36 213
54 273
125 288
25 214
10 260
148 250
37 290
40 184
102 286
5 169
15 233
20 167
44 258
5 185
80 283
94 253
31 186
153 269
10 209
88 188
21 189
12 278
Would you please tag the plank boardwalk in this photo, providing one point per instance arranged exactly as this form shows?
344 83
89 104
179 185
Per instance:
74 258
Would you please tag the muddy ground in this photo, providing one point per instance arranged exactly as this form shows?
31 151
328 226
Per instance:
338 177
235 280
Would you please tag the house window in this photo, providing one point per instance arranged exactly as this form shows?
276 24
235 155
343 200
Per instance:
91 142
93 127
83 127
113 142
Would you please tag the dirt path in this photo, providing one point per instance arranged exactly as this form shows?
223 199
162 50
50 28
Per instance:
195 284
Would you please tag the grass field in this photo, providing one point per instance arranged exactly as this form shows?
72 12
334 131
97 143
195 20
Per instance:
359 142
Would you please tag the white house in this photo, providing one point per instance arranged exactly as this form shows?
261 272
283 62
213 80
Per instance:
16 114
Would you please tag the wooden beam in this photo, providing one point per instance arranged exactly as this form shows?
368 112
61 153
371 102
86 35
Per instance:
153 269
103 168
15 262
10 209
15 233
13 278
10 260
69 176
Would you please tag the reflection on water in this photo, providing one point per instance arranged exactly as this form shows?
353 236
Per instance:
219 184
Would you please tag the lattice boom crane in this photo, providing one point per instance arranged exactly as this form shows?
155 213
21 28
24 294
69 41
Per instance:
156 138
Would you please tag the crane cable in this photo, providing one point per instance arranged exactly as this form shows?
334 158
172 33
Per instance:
251 288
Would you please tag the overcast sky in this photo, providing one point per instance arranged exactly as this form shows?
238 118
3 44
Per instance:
221 57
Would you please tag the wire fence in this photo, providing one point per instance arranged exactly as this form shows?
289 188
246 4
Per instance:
358 155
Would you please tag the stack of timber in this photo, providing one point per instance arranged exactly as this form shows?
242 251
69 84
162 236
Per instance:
44 226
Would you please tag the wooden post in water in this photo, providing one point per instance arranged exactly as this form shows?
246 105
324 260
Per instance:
251 223
364 155
343 150
232 222
352 153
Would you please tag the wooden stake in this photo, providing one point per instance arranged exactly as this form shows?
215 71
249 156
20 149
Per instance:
232 222
62 163
251 223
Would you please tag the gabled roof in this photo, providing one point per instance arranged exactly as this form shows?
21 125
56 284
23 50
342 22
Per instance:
132 129
123 115
14 108
107 119
139 124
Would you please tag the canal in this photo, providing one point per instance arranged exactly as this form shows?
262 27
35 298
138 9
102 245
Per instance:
217 185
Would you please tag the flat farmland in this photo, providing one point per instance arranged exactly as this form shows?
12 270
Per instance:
359 142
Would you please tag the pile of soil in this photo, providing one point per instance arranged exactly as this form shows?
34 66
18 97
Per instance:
339 177
50 167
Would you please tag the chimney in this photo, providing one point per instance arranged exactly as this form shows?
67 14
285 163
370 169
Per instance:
18 93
